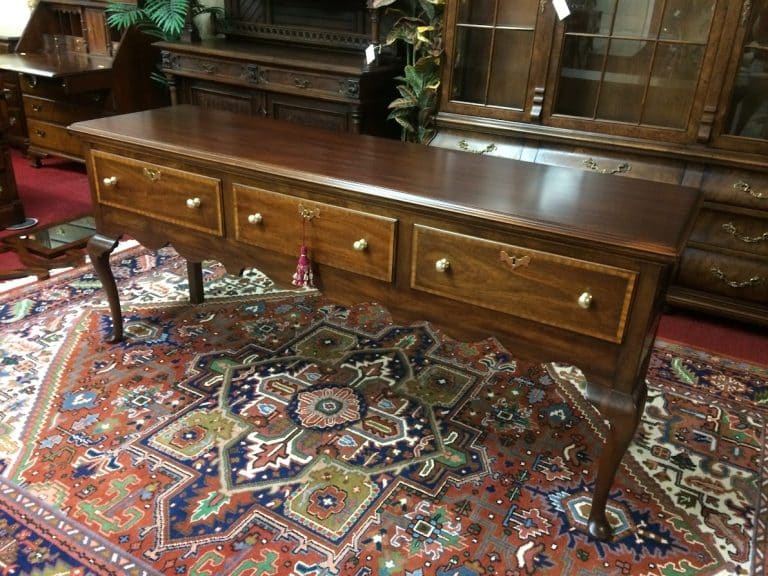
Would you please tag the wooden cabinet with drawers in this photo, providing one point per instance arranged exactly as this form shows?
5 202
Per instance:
669 92
11 210
71 66
16 128
290 61
554 262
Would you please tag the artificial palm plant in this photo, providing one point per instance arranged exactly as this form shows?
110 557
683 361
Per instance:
164 19
419 26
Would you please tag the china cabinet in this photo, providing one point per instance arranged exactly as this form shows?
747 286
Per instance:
665 90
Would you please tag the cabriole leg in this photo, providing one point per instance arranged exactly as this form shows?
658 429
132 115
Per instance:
99 249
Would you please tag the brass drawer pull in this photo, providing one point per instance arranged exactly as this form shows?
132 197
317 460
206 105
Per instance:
513 262
733 231
36 107
301 83
255 218
585 300
31 81
620 169
152 174
746 187
307 213
207 68
360 245
464 145
110 181
720 275
40 133
193 203
443 265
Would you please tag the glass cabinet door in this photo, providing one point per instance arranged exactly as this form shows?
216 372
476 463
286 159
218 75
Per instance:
635 63
745 122
493 61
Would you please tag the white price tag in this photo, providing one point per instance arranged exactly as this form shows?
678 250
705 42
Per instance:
561 7
370 53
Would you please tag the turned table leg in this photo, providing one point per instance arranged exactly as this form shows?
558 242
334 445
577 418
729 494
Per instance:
99 249
623 412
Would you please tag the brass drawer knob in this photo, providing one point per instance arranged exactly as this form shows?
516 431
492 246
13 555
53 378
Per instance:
360 245
40 133
193 203
442 265
255 218
110 181
585 300
36 107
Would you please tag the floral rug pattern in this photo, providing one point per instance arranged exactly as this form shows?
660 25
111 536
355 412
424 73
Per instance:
275 432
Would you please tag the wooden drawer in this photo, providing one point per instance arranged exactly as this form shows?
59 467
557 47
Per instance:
59 88
540 286
176 196
732 231
646 168
222 70
54 137
58 112
735 187
328 85
347 239
734 277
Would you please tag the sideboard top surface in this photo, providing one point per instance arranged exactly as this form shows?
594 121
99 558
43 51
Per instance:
649 218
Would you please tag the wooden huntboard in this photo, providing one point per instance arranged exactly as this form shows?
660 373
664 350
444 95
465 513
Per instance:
559 264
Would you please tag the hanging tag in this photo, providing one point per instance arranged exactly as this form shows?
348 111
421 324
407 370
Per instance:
370 53
561 7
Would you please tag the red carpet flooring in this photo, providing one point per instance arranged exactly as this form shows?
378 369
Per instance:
59 191
56 192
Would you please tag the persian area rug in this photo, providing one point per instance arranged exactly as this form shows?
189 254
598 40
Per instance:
275 432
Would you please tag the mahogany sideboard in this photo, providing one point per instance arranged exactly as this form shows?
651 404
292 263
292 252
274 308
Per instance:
559 264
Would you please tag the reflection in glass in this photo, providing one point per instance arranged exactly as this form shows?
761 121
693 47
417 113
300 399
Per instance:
626 71
748 111
637 19
590 17
473 51
520 13
687 20
673 84
509 69
580 75
476 12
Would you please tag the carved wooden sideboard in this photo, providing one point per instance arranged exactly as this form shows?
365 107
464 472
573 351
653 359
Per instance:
559 264
292 61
